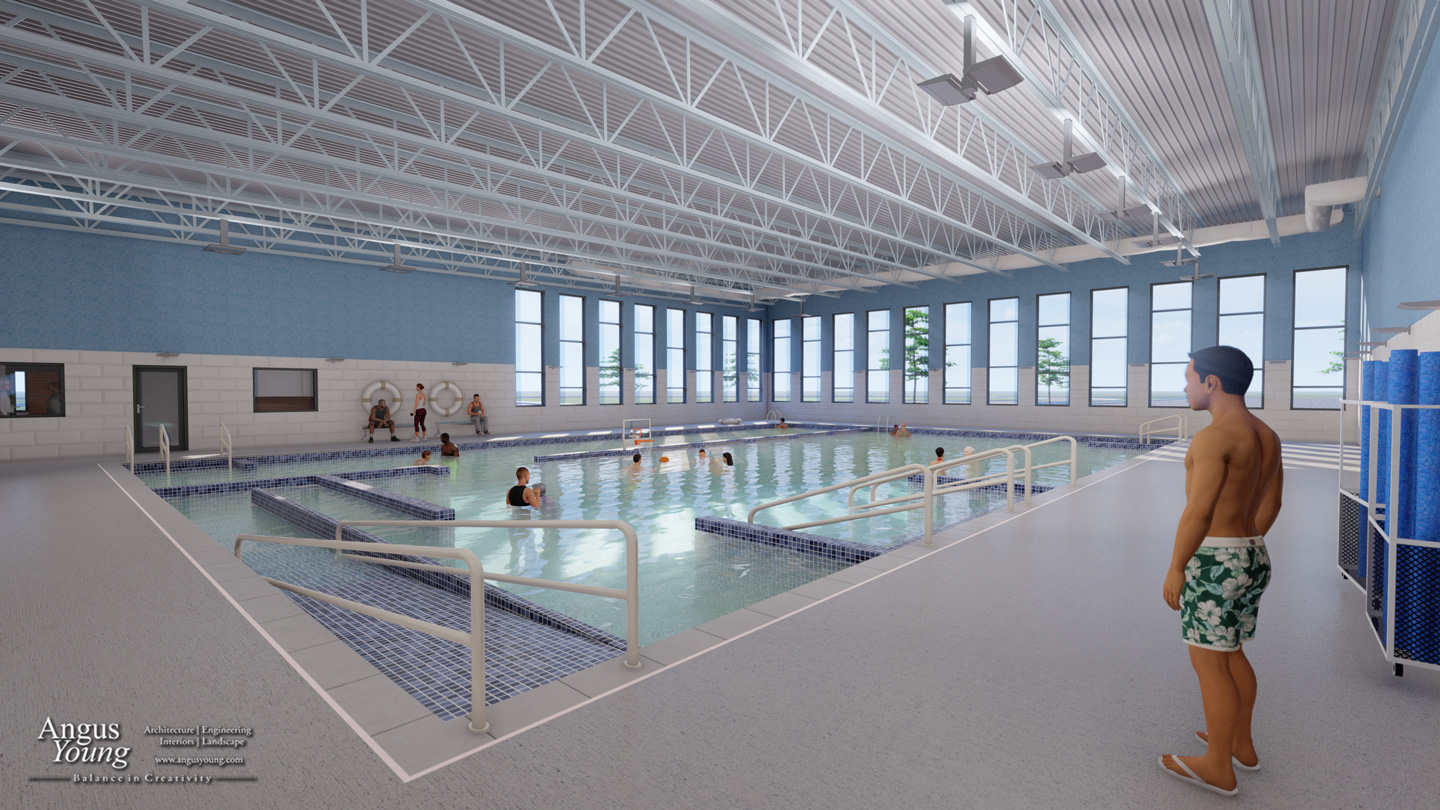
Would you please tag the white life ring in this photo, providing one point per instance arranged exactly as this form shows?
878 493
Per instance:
732 420
367 399
442 386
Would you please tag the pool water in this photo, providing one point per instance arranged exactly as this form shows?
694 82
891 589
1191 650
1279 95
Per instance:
686 577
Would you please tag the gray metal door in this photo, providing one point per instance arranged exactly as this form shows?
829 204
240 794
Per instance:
160 400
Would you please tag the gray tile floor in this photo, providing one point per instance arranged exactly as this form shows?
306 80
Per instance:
1032 665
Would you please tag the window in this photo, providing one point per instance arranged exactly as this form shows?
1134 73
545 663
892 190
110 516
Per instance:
572 350
278 390
1169 343
957 354
38 389
704 354
610 374
752 360
1109 354
674 356
877 356
1004 377
780 361
729 359
529 340
644 354
810 359
1242 325
1317 359
842 379
917 355
1052 349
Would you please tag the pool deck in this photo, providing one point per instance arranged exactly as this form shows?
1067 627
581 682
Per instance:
1025 661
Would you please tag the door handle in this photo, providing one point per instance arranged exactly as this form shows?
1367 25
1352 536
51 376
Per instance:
138 407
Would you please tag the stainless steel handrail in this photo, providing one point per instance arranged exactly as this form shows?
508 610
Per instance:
475 639
227 446
1181 428
130 447
904 471
164 441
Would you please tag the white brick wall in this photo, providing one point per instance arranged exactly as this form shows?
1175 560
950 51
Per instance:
100 402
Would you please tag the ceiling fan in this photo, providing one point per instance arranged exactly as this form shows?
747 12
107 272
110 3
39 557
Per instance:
1181 261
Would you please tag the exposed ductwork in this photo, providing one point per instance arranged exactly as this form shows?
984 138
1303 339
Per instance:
1321 198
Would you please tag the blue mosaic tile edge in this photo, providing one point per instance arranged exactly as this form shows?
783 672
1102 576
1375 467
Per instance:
244 464
293 480
842 550
1091 439
324 526
414 507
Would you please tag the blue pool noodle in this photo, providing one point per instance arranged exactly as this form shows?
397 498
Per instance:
1427 451
1382 445
1402 391
1367 393
1417 570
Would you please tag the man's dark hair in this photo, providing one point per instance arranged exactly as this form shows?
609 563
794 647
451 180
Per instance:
635 458
939 452
444 437
1231 366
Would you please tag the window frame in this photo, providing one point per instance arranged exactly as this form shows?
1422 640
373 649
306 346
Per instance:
776 354
1069 345
805 371
254 398
1343 327
836 351
704 358
563 329
869 360
1125 341
636 357
518 372
905 377
1150 361
29 365
1220 320
754 356
729 352
969 344
684 350
990 366
619 368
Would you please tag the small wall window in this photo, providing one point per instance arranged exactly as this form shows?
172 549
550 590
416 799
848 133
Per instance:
32 389
278 390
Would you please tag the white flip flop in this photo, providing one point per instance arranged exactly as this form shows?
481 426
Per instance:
1233 761
1190 777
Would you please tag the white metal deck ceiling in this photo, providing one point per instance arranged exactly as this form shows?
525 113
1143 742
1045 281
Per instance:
746 147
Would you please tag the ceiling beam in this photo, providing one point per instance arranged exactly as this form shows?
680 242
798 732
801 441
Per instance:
1232 26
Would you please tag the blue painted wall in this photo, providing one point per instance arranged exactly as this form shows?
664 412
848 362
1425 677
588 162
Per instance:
1334 247
1398 243
67 290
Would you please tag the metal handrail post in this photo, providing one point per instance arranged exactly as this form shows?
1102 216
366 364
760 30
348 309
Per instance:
929 507
130 448
750 518
164 441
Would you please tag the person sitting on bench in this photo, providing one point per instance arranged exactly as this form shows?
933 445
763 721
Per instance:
380 416
476 412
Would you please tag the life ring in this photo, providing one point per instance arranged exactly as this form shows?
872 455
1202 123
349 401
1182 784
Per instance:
732 420
442 386
367 399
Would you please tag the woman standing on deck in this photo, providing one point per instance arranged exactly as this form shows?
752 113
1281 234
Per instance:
419 413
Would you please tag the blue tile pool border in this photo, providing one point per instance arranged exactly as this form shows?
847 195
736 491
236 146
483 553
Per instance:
841 550
404 504
218 487
324 526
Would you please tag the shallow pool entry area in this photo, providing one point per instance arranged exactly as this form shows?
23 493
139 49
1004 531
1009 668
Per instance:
698 557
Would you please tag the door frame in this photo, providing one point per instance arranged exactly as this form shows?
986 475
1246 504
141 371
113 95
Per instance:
180 442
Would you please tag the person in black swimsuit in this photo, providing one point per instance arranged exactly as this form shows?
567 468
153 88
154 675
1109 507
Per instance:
521 494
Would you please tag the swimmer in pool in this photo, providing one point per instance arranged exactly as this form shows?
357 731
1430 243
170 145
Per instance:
522 494
939 456
423 460
636 466
902 432
968 469
447 447
729 461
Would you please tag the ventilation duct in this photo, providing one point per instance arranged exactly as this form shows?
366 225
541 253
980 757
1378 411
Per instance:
1321 198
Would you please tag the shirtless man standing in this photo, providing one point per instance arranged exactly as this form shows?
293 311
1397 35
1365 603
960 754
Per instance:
1220 567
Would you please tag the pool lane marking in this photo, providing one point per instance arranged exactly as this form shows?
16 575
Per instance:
370 741
1130 463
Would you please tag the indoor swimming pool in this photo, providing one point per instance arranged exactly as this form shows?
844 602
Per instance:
687 577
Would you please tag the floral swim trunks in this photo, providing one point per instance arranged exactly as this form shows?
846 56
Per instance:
1221 599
